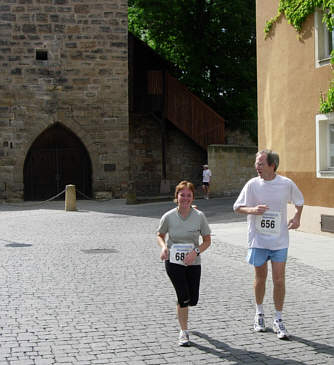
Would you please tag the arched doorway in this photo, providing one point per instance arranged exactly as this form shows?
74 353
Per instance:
56 158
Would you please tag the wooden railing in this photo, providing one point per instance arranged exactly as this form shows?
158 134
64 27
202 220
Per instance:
186 111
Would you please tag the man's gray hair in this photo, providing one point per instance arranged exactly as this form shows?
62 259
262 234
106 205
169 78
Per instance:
272 157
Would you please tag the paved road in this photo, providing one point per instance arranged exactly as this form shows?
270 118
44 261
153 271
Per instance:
88 287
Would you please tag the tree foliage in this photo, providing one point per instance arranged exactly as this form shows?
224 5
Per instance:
212 43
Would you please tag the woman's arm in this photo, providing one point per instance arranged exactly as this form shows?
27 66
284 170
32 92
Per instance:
205 244
163 245
191 256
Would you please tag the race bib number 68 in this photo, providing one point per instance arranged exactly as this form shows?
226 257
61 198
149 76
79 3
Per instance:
179 251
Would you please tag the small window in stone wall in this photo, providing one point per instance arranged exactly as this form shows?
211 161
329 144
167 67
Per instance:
41 55
108 167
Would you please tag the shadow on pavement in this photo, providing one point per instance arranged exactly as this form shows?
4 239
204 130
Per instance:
14 244
217 210
318 347
224 351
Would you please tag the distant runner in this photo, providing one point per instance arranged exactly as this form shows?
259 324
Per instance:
206 181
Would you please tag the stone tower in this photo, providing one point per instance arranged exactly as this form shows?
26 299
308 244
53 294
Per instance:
63 97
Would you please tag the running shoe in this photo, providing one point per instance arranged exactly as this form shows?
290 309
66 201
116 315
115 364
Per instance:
184 338
280 329
259 325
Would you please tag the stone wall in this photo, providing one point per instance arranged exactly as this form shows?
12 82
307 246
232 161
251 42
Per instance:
184 159
238 137
83 84
231 167
145 154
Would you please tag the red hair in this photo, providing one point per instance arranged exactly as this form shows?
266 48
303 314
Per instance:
184 185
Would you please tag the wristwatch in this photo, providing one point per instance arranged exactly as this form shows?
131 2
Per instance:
197 251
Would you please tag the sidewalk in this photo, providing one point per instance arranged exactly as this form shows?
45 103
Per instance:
309 249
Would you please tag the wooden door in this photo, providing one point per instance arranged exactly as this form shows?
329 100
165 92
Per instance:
56 158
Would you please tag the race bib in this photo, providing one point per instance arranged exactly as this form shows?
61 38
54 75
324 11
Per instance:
179 251
268 223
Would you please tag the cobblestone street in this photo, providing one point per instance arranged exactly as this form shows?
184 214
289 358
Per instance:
88 287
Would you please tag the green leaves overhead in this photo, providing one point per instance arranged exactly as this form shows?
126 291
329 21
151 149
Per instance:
296 12
212 43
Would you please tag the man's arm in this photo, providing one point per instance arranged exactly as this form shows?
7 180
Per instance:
258 210
294 222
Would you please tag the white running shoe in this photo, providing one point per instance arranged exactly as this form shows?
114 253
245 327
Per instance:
280 330
259 325
184 338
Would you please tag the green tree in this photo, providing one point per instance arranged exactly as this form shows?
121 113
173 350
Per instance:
212 43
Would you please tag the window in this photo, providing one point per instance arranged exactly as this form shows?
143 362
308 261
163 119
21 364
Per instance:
325 145
324 41
331 146
41 55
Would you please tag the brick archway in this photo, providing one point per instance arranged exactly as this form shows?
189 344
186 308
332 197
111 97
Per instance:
56 158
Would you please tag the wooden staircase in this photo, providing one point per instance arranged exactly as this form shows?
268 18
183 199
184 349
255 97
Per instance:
185 110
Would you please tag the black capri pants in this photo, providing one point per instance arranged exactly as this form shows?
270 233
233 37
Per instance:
186 280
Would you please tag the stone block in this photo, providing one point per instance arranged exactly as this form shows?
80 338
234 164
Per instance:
7 17
29 28
103 195
59 28
16 71
71 45
81 9
75 29
5 28
42 17
44 28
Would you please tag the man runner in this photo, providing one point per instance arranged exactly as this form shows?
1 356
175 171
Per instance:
264 199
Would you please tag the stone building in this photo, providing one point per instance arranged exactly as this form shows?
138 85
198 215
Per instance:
83 102
63 97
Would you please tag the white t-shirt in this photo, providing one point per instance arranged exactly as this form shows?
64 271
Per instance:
269 231
206 175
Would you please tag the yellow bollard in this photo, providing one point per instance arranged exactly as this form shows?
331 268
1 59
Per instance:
70 198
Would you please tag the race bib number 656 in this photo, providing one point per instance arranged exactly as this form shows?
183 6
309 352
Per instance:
179 251
268 223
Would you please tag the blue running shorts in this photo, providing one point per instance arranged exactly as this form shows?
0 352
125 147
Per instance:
259 256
